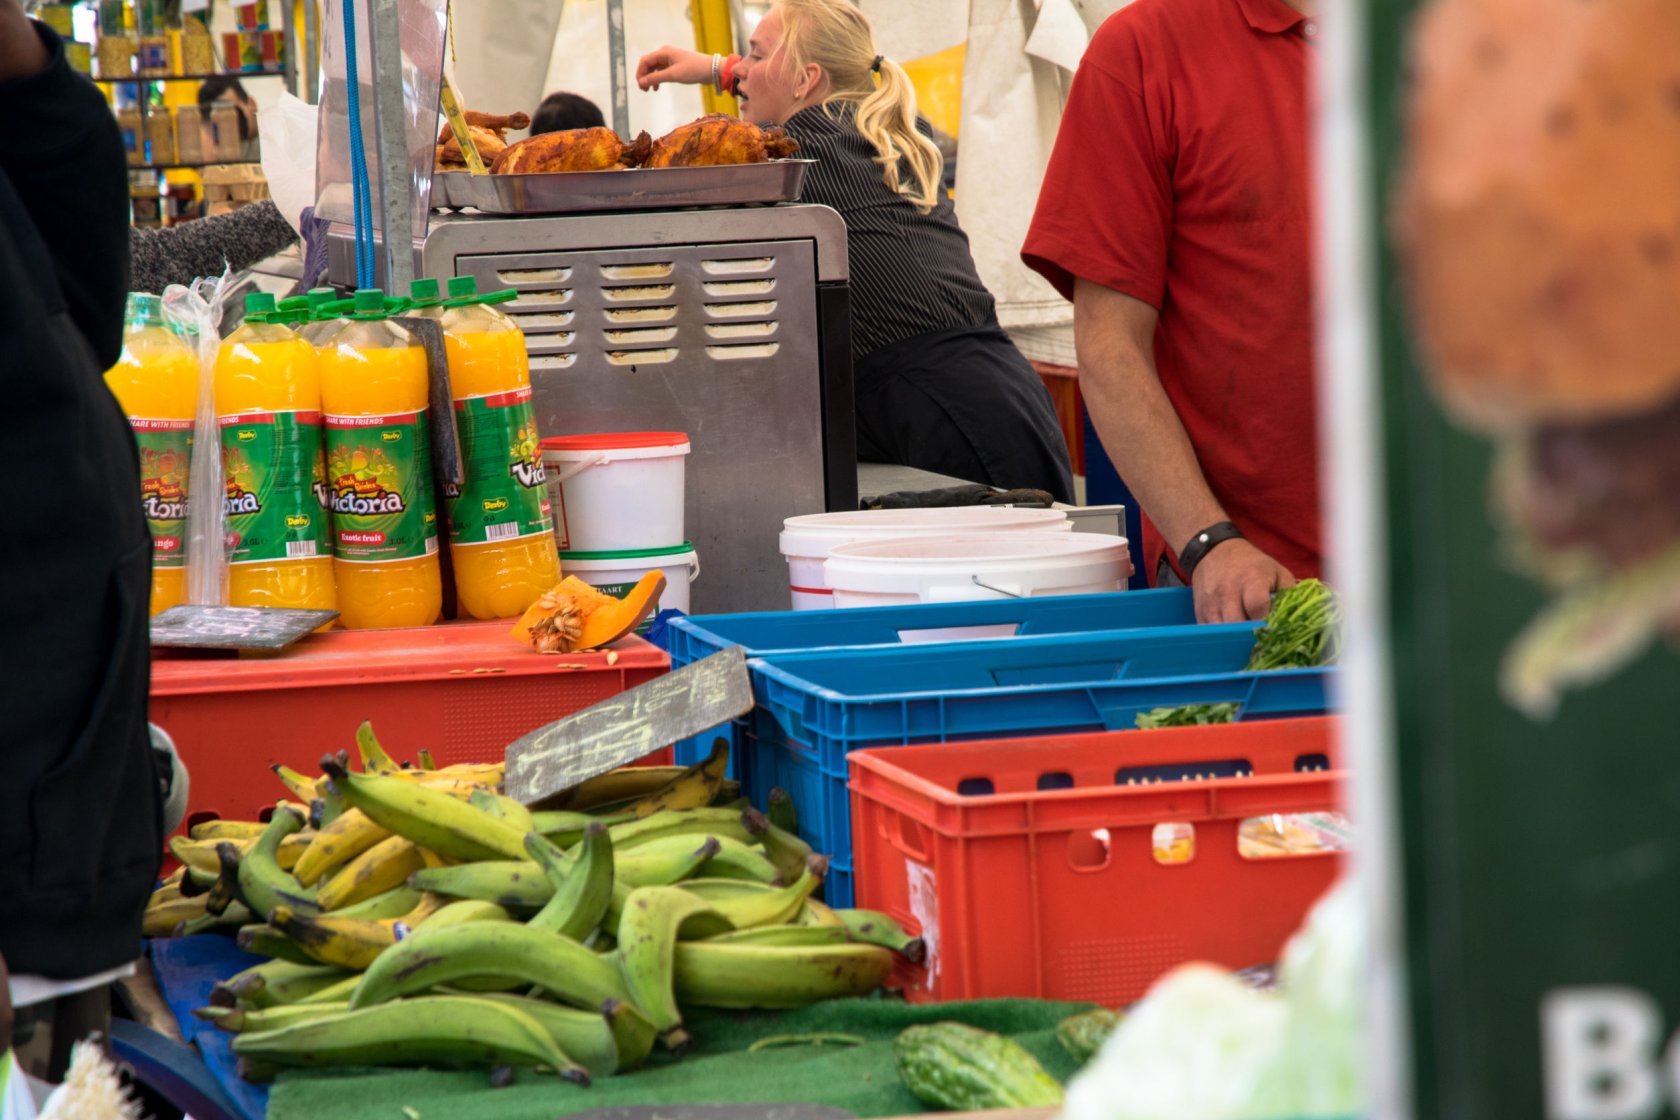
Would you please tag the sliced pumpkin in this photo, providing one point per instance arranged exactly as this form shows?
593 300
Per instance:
576 616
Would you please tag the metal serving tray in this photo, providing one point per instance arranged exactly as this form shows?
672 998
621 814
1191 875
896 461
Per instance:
641 188
451 189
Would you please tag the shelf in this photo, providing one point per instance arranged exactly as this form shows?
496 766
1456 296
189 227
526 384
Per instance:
188 166
136 79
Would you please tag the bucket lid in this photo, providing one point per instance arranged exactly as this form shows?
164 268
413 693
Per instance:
632 553
970 547
612 441
814 534
911 564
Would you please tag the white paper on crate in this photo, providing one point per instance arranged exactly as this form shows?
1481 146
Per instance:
924 904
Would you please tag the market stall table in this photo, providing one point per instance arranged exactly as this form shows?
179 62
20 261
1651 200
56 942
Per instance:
719 1069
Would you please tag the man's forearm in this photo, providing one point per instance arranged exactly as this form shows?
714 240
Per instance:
1140 430
21 51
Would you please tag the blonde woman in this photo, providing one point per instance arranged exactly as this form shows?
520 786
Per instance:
939 384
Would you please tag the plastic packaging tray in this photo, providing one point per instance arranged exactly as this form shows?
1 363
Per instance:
821 706
464 690
1043 879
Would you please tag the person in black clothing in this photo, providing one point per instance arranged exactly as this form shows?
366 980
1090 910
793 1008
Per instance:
223 89
939 384
81 827
562 112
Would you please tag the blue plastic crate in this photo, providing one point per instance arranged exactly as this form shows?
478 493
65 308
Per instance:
823 705
774 633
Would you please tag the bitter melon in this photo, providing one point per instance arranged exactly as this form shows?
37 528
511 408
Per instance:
958 1067
1083 1034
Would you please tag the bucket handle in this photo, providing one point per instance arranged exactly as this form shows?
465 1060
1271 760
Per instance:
694 569
963 592
577 466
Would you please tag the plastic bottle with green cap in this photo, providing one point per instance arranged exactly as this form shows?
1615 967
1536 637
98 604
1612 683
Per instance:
268 406
156 382
327 316
501 529
379 471
426 299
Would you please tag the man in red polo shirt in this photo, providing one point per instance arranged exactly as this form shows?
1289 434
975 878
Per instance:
1176 213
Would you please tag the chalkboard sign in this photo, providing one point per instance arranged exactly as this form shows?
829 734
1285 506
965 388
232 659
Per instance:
632 724
196 627
1538 855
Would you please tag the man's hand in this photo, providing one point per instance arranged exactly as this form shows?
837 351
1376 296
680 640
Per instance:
1235 582
667 64
21 51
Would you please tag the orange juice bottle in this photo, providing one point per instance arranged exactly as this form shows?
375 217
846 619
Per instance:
156 382
501 526
379 471
268 405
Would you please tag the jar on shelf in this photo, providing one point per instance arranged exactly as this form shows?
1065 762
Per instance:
198 55
116 55
145 208
189 135
59 18
154 40
133 137
113 17
273 50
160 136
224 127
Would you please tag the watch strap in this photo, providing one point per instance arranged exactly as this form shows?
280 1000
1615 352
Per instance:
1204 542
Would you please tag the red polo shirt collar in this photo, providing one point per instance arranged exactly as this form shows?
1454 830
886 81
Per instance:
1271 16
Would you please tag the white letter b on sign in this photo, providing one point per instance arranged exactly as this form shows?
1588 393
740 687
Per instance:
1600 1052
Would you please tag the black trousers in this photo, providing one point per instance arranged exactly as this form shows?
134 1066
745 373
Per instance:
963 403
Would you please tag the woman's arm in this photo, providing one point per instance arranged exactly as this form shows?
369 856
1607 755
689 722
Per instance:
181 254
674 64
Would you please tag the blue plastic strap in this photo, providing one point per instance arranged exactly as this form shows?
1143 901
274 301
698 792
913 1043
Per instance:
360 187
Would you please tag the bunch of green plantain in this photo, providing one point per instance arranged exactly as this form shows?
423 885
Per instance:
417 916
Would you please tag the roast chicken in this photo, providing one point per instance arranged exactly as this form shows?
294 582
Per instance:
577 149
719 139
488 133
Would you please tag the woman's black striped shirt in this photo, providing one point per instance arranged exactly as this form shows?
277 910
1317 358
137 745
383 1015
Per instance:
911 273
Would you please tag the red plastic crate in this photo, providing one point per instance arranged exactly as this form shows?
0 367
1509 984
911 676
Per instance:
464 690
1018 893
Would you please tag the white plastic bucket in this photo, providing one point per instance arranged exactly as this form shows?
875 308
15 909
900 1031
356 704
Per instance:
616 572
976 566
806 541
616 491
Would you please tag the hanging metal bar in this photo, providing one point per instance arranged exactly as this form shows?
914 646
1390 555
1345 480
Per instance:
620 72
391 139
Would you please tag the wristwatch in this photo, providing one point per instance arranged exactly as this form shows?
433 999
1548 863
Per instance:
1203 543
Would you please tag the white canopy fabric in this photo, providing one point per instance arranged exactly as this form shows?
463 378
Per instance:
510 54
1020 58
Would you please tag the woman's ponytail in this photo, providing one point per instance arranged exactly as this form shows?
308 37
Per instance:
887 119
834 35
